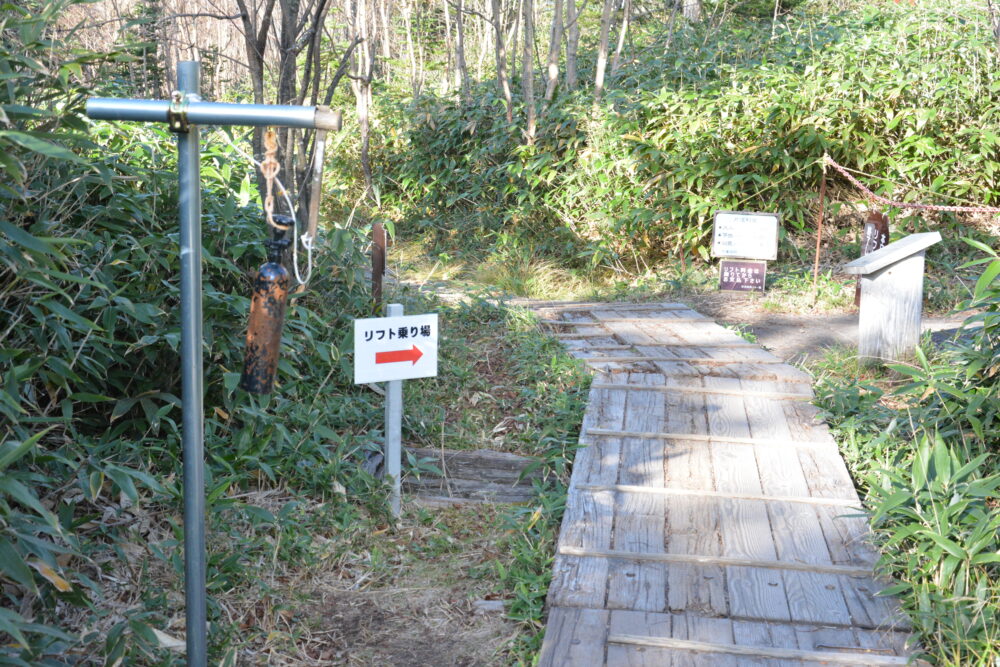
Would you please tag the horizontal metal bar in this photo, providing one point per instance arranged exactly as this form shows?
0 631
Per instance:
722 561
722 495
704 437
215 113
863 657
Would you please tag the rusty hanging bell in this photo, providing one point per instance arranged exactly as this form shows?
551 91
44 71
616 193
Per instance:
267 315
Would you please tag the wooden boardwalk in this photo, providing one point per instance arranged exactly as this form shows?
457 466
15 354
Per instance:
710 518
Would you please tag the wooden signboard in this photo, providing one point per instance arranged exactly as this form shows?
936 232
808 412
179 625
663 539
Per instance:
746 235
742 275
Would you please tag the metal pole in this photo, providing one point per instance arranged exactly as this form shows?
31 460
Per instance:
189 172
394 426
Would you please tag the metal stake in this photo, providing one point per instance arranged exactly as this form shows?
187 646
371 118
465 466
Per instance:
189 173
183 114
394 426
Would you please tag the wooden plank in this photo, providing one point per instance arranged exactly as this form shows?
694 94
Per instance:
746 529
693 522
707 361
642 461
574 637
725 561
703 437
636 585
892 253
797 531
839 505
734 391
587 524
831 657
620 320
645 623
600 464
604 305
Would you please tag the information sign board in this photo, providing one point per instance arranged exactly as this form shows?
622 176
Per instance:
742 275
395 348
745 235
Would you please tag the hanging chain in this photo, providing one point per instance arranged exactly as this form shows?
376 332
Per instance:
269 169
827 160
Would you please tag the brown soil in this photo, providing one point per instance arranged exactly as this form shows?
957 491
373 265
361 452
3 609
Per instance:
415 607
799 337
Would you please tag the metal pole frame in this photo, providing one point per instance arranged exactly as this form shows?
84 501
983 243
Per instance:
183 114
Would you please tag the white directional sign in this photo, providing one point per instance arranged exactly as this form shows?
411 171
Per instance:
395 348
746 235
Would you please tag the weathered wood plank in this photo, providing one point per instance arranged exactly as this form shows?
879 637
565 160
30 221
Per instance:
749 563
701 437
841 505
574 637
825 657
734 390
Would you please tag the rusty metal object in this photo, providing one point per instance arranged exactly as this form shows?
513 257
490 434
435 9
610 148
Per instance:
875 236
267 317
378 261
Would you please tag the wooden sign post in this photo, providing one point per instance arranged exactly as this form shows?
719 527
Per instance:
744 241
892 292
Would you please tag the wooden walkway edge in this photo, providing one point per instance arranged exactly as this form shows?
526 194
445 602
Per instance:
710 518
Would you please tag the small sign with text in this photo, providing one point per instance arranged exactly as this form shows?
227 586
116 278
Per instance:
395 348
742 275
741 234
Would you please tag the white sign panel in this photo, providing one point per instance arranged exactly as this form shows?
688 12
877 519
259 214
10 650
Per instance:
745 235
395 348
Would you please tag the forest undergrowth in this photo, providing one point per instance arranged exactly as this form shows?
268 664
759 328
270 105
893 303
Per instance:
613 199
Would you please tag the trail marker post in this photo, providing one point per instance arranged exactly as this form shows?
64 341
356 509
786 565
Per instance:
183 115
892 292
392 349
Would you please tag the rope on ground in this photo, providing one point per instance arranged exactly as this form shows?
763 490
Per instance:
898 204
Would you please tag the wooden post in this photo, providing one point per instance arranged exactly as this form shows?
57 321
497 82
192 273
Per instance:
874 236
892 291
378 262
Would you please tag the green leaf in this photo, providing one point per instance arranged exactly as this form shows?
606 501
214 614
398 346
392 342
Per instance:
15 451
13 565
41 146
946 544
11 622
986 280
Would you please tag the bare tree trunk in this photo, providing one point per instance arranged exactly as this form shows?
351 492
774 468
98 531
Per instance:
994 11
572 43
692 10
602 53
361 82
446 81
462 70
410 51
616 61
555 47
528 69
500 47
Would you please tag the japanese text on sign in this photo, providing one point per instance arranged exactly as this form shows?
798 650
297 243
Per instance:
395 348
743 234
742 276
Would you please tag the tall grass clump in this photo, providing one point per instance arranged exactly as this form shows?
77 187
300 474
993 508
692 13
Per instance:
721 116
925 453
89 404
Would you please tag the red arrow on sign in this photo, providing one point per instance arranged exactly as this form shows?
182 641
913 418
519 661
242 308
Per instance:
394 356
